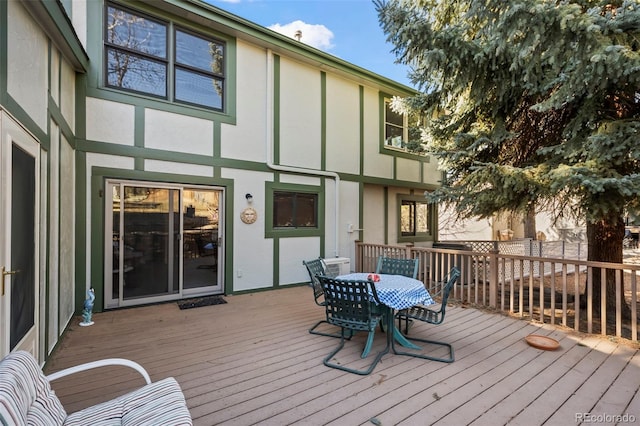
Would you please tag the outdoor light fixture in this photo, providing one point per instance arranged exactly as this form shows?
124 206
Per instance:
249 198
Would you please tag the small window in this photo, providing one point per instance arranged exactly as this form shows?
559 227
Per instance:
295 210
416 219
394 134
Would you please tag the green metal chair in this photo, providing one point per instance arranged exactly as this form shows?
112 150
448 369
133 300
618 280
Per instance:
316 267
391 266
349 306
430 315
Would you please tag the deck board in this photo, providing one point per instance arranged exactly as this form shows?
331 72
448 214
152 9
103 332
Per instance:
252 361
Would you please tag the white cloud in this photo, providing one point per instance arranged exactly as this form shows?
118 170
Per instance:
314 35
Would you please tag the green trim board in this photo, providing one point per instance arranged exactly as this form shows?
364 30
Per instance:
276 110
4 48
271 232
323 120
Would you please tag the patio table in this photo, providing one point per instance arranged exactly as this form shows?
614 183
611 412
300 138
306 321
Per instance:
395 292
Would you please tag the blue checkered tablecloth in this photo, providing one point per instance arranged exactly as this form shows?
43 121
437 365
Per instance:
396 291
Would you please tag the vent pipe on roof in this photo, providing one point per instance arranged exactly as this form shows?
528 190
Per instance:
298 35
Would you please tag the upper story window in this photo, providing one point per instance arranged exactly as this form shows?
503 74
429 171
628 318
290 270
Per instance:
394 127
153 57
401 132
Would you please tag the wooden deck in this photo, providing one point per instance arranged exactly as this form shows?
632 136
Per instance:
252 361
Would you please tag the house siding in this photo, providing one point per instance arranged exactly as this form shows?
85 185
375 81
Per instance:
294 118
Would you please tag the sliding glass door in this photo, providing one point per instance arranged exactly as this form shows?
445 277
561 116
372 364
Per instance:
163 242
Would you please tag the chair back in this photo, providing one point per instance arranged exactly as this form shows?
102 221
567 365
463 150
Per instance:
25 393
391 266
349 303
450 279
315 267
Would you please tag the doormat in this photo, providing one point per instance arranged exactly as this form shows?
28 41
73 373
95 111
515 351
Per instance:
201 301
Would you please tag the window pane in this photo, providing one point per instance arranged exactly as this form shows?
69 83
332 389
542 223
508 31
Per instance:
422 218
136 33
392 117
282 209
134 72
407 224
198 89
306 210
199 53
393 136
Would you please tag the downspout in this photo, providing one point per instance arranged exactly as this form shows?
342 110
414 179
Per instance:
269 148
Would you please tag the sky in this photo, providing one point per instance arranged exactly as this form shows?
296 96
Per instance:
347 29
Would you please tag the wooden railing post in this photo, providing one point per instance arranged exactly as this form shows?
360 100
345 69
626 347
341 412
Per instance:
409 250
493 277
358 259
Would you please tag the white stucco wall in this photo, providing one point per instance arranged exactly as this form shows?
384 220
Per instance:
67 232
246 139
252 253
54 236
68 94
180 133
408 170
373 221
27 64
375 164
177 168
349 213
431 173
109 121
55 76
292 271
343 125
300 115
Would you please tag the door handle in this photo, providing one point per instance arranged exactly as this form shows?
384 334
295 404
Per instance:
5 273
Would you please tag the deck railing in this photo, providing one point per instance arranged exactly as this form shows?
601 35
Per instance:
552 289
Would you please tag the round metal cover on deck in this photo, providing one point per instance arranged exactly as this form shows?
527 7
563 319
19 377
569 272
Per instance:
542 342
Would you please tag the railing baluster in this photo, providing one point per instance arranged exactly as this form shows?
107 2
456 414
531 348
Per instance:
494 275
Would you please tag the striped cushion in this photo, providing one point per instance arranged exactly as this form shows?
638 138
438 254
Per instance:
26 398
160 403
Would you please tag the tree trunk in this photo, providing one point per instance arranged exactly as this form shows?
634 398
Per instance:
605 245
530 222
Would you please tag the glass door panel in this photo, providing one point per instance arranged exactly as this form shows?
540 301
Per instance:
148 264
23 296
202 239
163 242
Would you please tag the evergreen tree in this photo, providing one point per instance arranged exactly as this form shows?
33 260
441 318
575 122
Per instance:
536 105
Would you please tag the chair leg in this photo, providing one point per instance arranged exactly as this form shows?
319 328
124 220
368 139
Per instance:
326 360
448 359
367 347
312 330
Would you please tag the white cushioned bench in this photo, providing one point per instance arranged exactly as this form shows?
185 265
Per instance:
26 398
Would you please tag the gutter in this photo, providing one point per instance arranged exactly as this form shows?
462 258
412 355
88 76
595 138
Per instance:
290 169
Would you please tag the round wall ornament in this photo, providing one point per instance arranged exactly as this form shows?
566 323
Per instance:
248 215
